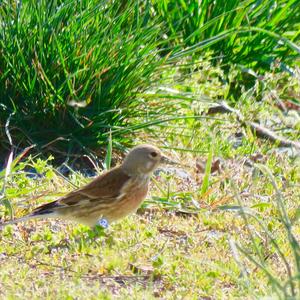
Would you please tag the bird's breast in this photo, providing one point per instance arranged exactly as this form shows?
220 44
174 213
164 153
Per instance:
131 197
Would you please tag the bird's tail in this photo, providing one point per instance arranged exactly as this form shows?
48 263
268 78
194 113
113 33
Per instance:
42 212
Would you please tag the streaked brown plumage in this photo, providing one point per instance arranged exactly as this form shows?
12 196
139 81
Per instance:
113 195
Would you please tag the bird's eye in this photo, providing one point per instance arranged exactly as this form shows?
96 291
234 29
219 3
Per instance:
153 154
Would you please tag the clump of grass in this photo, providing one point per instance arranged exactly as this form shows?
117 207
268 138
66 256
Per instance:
272 246
245 38
72 70
251 33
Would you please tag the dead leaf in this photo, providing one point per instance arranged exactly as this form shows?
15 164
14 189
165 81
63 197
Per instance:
141 269
216 166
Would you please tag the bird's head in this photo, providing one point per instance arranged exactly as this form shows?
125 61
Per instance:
144 159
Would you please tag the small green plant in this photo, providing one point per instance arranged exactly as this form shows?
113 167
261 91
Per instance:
276 256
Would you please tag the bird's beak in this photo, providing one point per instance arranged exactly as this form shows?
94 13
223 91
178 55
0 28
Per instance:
168 161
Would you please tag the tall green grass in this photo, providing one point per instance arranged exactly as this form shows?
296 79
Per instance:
252 33
72 69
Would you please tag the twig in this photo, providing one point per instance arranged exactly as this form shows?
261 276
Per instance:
259 130
60 138
10 157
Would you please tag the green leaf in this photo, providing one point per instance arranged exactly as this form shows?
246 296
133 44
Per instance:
261 205
205 183
108 156
7 206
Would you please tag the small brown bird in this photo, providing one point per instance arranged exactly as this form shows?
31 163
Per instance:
109 197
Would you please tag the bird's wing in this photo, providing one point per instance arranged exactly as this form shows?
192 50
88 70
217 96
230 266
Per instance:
104 188
107 186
